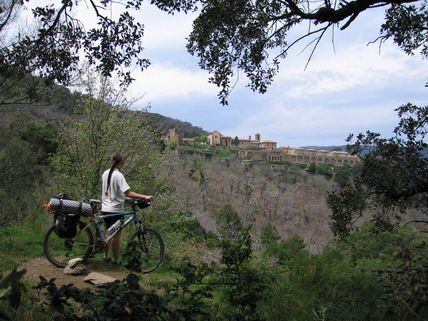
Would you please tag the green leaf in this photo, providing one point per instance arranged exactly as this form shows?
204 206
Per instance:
4 291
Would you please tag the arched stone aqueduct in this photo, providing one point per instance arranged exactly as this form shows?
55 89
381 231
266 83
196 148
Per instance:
300 155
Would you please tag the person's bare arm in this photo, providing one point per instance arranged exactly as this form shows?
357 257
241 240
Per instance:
132 194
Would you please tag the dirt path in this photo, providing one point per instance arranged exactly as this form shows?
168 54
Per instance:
41 266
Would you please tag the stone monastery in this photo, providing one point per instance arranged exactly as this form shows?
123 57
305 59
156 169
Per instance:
267 150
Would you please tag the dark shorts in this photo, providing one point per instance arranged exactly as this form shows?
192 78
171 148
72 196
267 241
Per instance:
111 220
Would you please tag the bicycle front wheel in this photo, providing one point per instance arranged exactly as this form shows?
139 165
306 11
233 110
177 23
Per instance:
59 250
148 246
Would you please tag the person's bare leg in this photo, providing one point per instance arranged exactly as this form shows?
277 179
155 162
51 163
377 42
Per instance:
107 249
116 246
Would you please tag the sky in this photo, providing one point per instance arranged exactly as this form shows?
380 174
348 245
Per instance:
350 88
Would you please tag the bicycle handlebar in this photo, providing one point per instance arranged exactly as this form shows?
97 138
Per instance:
138 202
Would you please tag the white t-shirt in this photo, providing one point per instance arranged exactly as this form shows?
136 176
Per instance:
115 198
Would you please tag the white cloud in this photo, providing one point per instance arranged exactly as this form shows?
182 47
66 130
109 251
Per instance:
353 66
314 124
162 82
163 31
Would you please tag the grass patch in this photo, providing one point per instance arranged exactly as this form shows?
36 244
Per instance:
22 240
161 274
6 263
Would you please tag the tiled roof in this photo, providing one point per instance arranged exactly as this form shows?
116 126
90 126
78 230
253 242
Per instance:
215 131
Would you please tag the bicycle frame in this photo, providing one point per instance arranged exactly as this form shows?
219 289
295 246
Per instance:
133 217
97 246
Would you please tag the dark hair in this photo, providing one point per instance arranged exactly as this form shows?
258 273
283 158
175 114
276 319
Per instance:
116 159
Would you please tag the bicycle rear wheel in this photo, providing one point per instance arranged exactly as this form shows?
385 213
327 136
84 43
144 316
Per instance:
147 246
59 250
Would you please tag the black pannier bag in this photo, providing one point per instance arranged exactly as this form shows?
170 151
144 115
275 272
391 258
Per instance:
65 224
66 215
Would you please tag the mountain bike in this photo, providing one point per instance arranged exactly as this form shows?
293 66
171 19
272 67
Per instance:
147 242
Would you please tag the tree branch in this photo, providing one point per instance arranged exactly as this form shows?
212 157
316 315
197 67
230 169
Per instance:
55 23
8 16
299 39
98 13
330 15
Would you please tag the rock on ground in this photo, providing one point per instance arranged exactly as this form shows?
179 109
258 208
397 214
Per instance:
98 278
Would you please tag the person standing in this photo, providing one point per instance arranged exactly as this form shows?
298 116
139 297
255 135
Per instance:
114 191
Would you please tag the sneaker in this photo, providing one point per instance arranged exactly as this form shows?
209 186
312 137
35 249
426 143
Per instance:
106 259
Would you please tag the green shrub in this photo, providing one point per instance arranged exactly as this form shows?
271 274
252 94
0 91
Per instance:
222 153
169 146
325 170
324 287
312 168
399 256
406 286
242 285
286 250
16 301
268 234
228 223
280 163
367 243
343 174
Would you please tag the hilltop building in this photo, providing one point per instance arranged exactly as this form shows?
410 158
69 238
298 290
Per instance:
173 136
267 150
216 138
301 155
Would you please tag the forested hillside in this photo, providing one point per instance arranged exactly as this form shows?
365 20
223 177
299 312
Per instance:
165 123
286 196
58 102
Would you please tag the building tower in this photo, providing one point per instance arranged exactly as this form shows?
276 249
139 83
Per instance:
258 137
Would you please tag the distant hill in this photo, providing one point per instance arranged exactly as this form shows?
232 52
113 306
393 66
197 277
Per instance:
341 148
165 123
59 102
